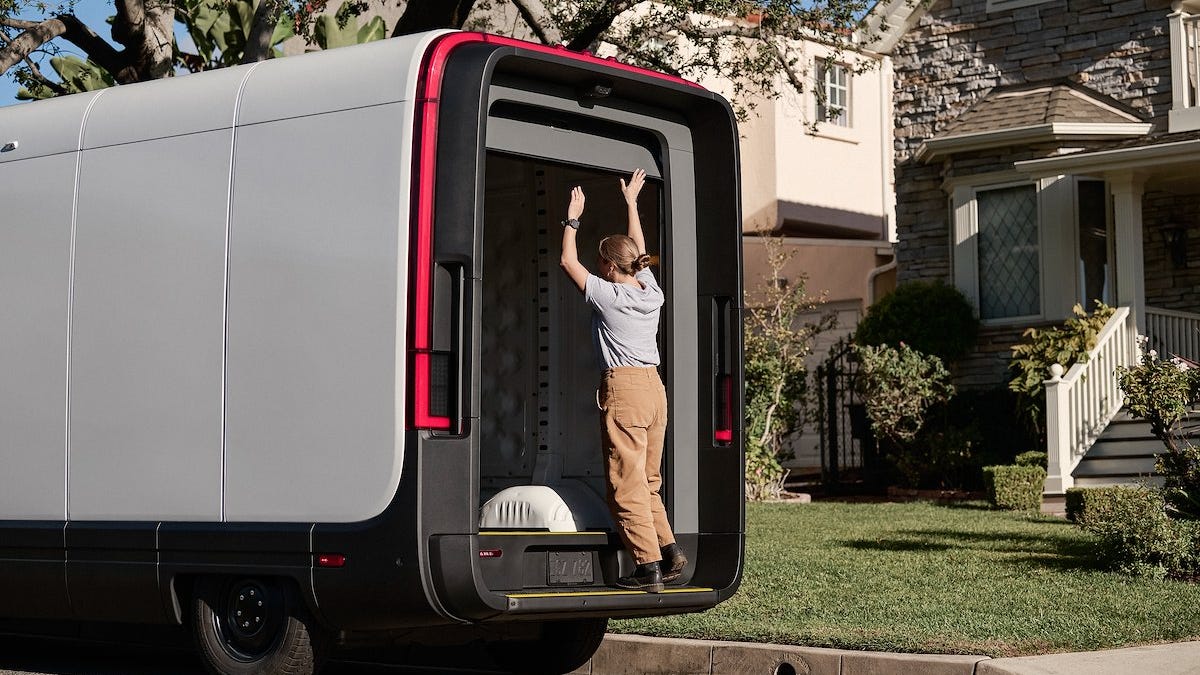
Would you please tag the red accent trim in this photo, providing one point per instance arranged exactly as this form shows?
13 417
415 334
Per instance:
330 560
724 430
422 203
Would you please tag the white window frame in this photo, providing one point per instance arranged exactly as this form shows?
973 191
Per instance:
844 119
965 246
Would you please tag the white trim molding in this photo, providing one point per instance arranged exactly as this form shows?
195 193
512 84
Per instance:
1035 133
1178 152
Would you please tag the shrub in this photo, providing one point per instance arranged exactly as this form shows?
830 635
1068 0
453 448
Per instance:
932 318
1040 348
898 387
777 341
1015 487
1135 535
941 459
1031 458
972 430
1079 499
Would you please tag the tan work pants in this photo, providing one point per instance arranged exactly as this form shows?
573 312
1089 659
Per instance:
634 405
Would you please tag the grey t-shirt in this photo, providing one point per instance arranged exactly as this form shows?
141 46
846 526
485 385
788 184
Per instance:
625 320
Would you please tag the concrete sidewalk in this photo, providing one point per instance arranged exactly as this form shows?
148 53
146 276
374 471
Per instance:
639 655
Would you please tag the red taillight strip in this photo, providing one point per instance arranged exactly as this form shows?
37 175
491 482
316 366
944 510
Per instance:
724 430
425 169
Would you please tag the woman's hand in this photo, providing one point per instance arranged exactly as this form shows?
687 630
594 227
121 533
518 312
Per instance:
575 208
635 186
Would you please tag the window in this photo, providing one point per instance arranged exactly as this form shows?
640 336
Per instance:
1095 272
998 250
1009 257
833 99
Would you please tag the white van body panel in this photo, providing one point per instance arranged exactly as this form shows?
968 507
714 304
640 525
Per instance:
204 281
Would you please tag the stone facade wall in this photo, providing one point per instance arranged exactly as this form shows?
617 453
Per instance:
1168 285
954 56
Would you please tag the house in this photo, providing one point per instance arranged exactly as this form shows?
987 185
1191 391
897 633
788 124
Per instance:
816 170
1047 154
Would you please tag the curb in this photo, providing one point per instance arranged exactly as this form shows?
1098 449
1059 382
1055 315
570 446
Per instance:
641 655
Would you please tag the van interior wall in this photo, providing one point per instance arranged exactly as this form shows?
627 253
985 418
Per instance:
539 422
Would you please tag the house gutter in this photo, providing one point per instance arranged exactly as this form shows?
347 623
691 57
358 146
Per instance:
1107 160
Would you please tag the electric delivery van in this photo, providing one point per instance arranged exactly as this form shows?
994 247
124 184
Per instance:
286 355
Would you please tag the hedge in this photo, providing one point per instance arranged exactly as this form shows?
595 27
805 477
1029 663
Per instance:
1134 534
1015 487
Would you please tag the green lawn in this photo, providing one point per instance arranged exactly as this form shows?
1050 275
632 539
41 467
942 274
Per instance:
919 577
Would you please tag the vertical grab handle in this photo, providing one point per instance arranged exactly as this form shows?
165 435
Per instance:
722 360
443 383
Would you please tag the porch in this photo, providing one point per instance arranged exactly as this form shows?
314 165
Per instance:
1152 222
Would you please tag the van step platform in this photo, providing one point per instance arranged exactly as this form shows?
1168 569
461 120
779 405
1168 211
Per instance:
617 602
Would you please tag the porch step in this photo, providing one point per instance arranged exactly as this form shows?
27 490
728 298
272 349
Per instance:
1123 455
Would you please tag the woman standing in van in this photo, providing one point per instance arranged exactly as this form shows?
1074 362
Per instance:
625 301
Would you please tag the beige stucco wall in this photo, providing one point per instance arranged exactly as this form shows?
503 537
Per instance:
796 175
838 270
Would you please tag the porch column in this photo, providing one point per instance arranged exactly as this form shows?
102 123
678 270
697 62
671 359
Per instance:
1127 190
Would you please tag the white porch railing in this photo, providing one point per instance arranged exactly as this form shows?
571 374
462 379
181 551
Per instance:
1080 404
1173 333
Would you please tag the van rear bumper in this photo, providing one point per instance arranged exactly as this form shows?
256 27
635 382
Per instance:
517 583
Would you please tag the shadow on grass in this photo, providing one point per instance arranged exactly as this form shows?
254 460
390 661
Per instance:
895 545
967 506
1060 553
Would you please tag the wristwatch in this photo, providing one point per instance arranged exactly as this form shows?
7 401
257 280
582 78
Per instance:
573 223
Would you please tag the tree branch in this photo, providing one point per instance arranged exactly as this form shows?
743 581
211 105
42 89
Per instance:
36 72
658 64
422 15
600 22
32 38
532 21
98 50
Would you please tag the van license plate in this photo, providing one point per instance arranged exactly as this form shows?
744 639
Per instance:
570 568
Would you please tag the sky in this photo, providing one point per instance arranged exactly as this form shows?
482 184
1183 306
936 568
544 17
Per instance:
91 12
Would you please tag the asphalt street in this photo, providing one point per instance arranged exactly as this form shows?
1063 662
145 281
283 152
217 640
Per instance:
41 656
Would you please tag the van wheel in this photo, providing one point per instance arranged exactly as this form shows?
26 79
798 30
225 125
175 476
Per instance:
253 626
562 647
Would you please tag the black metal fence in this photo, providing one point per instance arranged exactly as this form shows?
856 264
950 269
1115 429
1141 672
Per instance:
847 444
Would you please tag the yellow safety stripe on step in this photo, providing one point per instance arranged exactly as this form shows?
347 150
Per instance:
580 594
515 533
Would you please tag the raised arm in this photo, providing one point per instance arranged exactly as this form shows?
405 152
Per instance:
631 195
569 260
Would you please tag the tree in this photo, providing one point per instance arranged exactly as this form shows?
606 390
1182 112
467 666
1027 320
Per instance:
777 341
754 45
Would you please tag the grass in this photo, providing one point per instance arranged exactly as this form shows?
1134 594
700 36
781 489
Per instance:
919 577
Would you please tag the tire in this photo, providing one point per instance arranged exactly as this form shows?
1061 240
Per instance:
562 647
255 626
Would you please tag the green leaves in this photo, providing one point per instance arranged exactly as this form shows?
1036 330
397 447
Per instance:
899 386
1065 345
340 29
76 74
220 30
